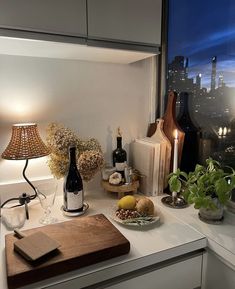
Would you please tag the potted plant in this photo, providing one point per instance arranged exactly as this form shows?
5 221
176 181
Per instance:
208 187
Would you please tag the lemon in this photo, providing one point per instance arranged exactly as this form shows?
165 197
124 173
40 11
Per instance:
127 202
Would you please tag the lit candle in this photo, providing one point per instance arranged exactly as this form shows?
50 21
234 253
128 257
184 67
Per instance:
176 145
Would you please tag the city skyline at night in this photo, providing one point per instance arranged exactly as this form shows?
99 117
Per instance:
201 68
201 30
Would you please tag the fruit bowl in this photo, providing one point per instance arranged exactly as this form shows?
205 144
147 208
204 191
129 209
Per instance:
137 221
134 211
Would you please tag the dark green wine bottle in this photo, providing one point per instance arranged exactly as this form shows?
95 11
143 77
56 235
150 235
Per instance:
119 155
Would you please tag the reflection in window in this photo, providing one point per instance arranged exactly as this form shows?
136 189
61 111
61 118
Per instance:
201 62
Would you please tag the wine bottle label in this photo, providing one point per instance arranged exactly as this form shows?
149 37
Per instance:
74 200
120 166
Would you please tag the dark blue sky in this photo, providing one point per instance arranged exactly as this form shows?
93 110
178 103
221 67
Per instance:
201 29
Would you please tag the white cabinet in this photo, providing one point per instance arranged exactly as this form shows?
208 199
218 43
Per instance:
182 275
49 16
172 274
217 274
135 21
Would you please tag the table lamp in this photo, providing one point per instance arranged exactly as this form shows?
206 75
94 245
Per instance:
25 144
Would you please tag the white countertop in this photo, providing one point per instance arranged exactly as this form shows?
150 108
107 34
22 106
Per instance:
168 238
220 238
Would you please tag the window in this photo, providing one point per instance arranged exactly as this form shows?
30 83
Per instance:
201 62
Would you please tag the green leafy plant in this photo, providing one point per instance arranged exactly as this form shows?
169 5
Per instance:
204 184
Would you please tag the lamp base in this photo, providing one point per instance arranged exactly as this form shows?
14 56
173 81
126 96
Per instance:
176 203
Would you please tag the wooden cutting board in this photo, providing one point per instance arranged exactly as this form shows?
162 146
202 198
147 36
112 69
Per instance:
165 150
169 127
84 241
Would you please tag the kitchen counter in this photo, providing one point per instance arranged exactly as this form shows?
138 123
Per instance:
220 238
166 240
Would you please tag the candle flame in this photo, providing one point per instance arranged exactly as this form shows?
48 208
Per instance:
176 134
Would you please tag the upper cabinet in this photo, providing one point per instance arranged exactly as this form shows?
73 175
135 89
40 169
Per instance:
119 24
65 17
132 21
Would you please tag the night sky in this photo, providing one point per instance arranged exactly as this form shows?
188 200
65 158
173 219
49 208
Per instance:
200 30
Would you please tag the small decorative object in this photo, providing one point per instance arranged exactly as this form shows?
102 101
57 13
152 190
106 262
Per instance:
25 144
174 201
115 178
89 155
119 155
128 173
208 187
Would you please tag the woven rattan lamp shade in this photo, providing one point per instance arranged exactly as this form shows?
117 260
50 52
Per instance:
25 143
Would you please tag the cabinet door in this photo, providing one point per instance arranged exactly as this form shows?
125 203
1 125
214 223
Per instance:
137 21
216 273
182 275
66 17
185 274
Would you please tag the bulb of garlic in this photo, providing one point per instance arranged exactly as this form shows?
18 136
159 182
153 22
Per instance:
115 178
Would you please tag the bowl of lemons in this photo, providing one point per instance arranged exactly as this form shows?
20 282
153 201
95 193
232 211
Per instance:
135 211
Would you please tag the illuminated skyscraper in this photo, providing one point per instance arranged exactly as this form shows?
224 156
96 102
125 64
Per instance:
213 73
221 81
198 81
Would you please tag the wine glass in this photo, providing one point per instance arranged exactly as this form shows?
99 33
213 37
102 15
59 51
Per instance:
46 193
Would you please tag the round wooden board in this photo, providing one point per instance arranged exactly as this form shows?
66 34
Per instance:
121 189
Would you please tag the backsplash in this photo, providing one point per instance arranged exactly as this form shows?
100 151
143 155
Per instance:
91 98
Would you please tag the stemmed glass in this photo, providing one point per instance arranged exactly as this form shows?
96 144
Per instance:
46 194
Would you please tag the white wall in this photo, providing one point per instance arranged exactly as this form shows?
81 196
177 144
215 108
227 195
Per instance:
91 98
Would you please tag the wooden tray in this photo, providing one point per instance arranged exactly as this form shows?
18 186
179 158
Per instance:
121 189
83 241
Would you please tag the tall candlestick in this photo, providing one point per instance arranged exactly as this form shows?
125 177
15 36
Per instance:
176 147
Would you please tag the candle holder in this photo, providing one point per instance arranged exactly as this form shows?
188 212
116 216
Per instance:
174 201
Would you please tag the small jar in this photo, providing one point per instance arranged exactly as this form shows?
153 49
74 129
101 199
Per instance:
13 217
128 175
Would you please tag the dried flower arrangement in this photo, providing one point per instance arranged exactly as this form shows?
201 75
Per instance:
89 154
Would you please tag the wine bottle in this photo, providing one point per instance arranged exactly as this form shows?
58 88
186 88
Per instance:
191 140
119 155
73 186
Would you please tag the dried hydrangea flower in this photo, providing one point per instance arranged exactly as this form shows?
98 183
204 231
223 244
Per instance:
58 165
89 153
60 138
89 163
